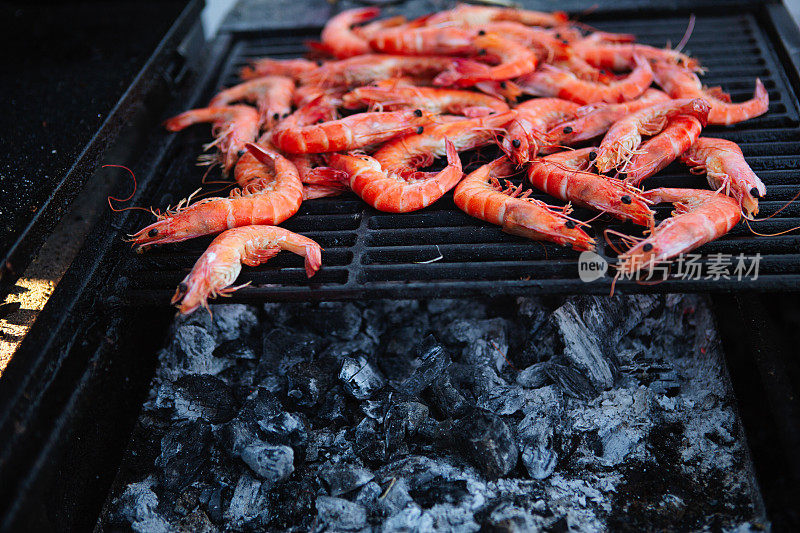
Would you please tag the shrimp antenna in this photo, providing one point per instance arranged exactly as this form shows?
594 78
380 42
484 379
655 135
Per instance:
778 211
687 34
117 210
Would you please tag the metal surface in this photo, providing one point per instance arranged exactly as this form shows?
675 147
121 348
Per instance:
373 254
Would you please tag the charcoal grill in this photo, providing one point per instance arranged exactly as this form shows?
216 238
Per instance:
69 396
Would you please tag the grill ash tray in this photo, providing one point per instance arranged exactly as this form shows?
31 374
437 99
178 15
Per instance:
373 254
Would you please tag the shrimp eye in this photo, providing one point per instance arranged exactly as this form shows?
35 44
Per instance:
516 143
592 155
569 224
420 130
626 199
568 129
647 247
482 52
319 62
482 32
502 85
184 288
754 193
418 112
276 116
285 115
558 35
564 41
622 175
240 153
152 233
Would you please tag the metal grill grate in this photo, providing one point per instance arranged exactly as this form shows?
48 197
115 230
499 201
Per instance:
373 254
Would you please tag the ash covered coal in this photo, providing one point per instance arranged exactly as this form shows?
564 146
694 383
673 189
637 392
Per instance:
510 415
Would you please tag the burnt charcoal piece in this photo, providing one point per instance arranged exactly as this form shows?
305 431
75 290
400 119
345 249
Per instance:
288 345
233 321
439 490
340 515
183 454
343 478
333 409
435 360
137 504
369 444
484 440
271 463
571 381
261 405
535 437
359 378
308 381
249 506
535 376
342 320
194 348
403 419
204 396
197 522
238 434
235 349
446 398
394 498
286 428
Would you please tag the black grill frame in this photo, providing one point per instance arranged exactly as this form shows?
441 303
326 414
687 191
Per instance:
369 254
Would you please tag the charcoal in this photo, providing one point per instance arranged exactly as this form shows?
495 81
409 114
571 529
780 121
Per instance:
196 522
394 498
447 399
285 428
468 331
484 440
186 501
333 409
235 349
138 502
344 478
439 490
232 321
450 517
571 381
342 320
409 519
403 419
204 396
434 360
535 376
340 515
271 463
535 439
249 507
287 346
261 405
509 518
503 399
369 444
183 453
194 348
213 504
359 378
368 496
308 382
378 406
333 446
359 345
238 434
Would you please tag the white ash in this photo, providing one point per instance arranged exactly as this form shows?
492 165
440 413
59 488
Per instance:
521 414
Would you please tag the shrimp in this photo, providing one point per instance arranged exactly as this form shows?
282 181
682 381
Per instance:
365 69
389 95
480 195
291 68
547 47
525 137
622 56
679 82
515 60
389 191
595 119
355 131
367 31
427 40
552 81
658 152
308 93
318 180
219 266
338 38
472 15
271 94
726 170
232 126
559 175
270 195
699 217
625 136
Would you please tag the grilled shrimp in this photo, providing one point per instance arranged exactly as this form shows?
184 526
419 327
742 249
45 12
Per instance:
622 56
726 170
349 133
393 192
426 40
232 126
679 82
515 60
271 94
558 175
480 195
526 136
338 38
552 81
699 217
219 266
625 136
658 152
472 15
270 195
291 68
363 70
390 95
595 119
547 46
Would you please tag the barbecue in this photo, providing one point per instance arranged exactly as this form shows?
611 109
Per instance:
435 371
